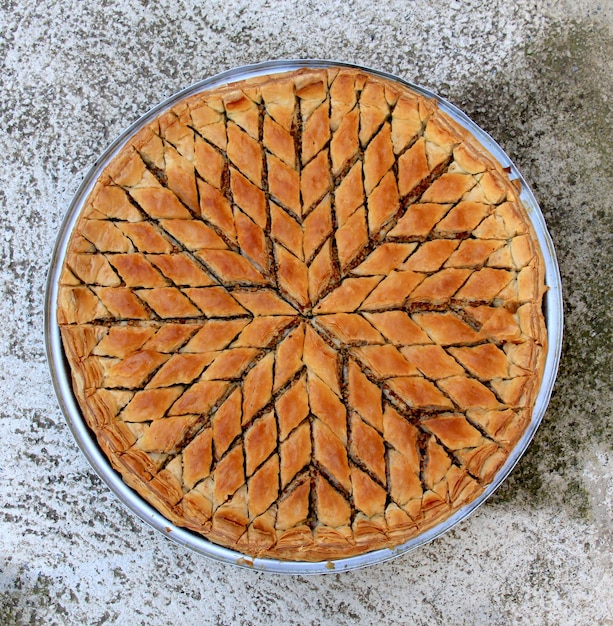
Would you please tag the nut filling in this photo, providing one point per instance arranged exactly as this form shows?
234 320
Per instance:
303 314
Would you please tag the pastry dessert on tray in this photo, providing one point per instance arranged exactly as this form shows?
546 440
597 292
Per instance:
302 314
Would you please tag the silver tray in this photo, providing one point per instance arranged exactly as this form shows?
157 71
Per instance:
60 371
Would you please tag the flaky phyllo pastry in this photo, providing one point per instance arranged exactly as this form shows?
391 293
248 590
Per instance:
303 314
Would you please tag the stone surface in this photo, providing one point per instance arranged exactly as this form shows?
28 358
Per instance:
536 75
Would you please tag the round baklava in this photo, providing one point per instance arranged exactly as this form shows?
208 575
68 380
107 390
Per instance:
302 314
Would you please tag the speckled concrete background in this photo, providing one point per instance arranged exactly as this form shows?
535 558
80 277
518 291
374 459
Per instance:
537 74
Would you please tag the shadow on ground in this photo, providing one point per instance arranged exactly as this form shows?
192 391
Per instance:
554 118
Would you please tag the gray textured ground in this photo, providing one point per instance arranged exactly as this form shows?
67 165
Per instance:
537 75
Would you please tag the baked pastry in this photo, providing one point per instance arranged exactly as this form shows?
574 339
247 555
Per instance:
303 316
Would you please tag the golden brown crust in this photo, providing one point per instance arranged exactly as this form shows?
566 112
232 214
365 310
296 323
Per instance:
303 314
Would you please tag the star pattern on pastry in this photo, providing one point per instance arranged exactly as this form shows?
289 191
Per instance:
303 314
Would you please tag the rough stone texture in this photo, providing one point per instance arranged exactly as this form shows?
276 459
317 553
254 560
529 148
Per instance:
536 74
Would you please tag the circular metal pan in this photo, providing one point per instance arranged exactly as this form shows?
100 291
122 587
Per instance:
60 371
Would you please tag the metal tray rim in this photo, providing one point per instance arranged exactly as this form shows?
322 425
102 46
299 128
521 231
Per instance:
60 373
